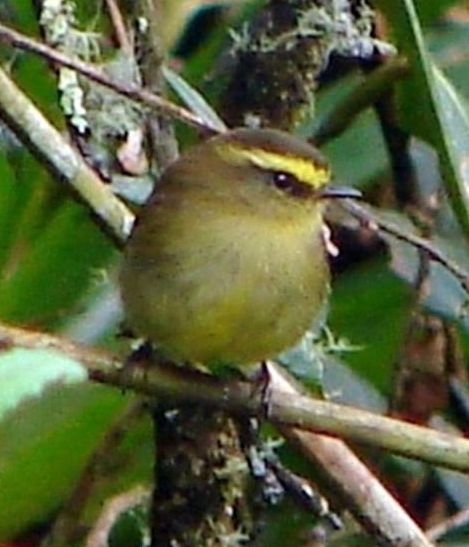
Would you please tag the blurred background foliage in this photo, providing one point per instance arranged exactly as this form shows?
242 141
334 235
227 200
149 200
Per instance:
57 271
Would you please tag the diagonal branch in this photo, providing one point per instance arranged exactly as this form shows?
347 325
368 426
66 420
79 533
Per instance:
128 90
373 222
27 121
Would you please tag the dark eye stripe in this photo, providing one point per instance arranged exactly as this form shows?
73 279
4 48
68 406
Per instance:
289 184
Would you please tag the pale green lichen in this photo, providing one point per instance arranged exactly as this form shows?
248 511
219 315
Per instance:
71 99
57 17
281 54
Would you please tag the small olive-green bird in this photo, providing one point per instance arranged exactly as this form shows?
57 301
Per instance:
227 263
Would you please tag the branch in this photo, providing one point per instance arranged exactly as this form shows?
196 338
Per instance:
20 114
113 509
452 523
351 485
358 99
349 480
128 90
182 384
302 493
374 223
118 24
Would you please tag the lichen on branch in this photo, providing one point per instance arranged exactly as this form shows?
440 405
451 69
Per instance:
280 55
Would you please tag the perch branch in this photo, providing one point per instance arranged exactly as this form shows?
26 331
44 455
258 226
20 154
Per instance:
351 482
183 384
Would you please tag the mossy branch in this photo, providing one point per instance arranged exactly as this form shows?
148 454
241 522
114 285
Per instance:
286 407
352 483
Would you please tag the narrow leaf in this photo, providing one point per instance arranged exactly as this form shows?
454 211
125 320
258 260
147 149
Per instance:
430 107
193 100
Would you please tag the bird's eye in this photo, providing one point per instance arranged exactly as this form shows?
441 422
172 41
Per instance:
285 182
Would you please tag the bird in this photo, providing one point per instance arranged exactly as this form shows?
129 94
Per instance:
226 263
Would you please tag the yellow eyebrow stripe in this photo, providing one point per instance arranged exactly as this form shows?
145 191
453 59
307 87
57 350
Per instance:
304 170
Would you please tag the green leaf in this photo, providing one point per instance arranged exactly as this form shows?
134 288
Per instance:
25 373
45 443
448 44
193 99
344 385
429 10
48 428
349 152
7 207
430 107
131 528
369 307
50 279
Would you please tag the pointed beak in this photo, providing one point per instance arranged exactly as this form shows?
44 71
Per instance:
339 192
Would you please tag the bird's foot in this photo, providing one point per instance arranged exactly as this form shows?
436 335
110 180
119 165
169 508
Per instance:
262 388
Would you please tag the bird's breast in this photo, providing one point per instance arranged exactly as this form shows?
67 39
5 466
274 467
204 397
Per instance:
228 289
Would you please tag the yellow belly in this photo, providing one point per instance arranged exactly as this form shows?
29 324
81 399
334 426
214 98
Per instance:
239 300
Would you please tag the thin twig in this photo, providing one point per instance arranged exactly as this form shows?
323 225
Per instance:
112 511
237 395
303 493
163 141
348 480
119 26
372 222
458 520
128 90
